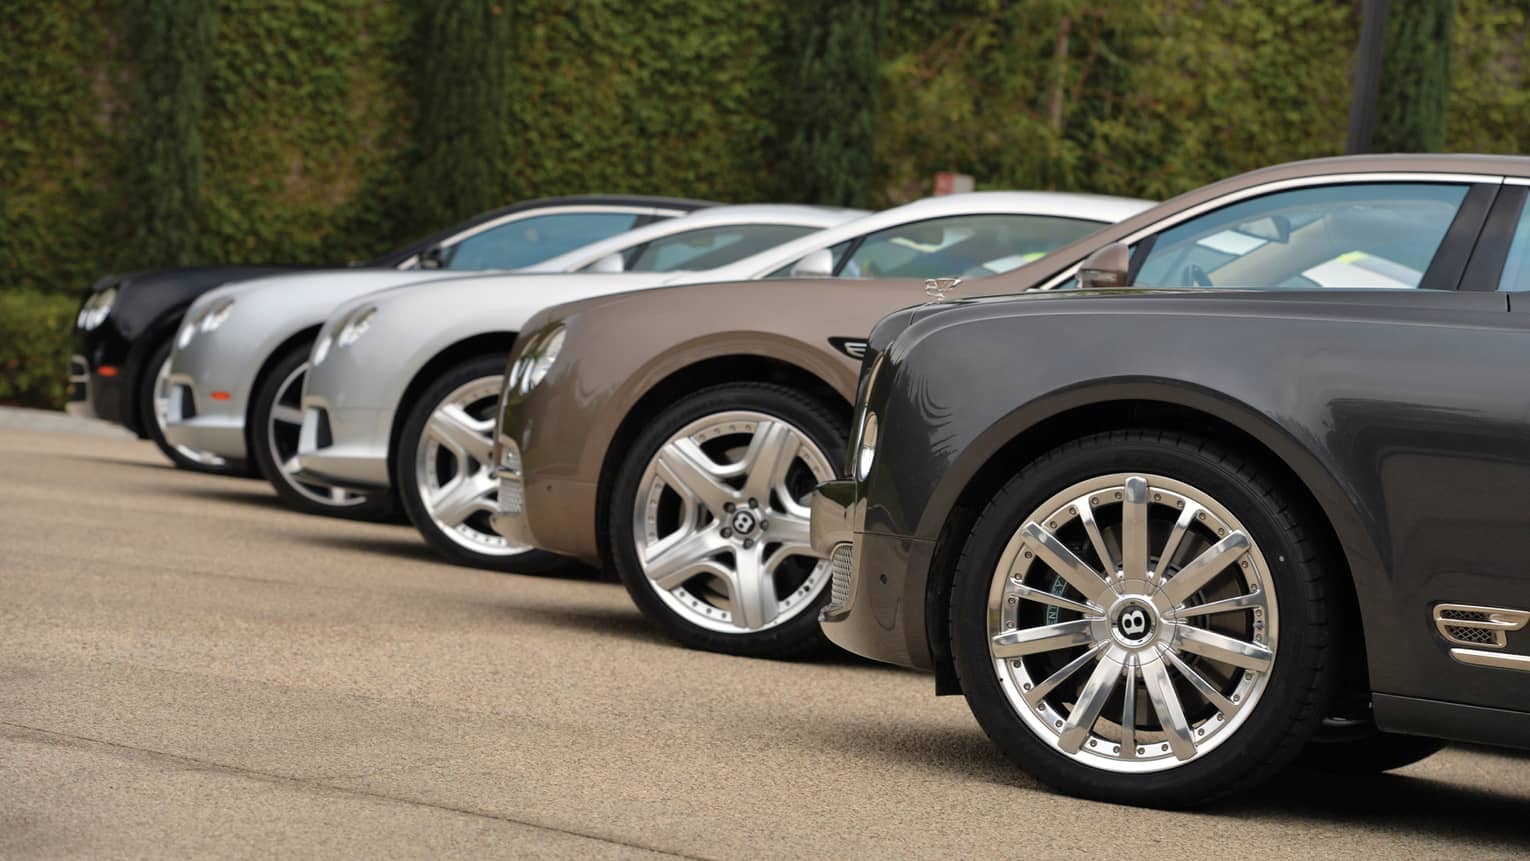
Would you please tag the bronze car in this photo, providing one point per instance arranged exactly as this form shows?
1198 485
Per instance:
676 434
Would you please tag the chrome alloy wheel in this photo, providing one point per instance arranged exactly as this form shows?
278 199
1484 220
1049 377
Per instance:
454 468
162 418
721 522
282 430
1132 623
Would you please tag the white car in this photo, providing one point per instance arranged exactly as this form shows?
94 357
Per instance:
403 384
242 352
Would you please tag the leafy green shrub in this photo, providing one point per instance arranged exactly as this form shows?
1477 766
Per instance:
34 347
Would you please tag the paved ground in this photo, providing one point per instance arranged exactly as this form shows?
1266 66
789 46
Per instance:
188 669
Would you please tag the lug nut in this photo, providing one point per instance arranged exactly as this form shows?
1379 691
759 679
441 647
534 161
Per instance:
728 507
764 525
754 503
748 543
726 532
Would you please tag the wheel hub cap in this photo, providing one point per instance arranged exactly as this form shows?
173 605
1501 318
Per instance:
283 430
454 471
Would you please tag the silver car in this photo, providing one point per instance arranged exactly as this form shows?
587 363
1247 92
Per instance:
404 383
241 354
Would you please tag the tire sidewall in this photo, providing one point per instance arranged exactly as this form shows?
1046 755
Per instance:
404 458
1283 718
801 634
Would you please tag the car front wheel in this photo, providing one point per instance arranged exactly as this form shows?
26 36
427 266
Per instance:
708 519
1142 618
154 410
446 474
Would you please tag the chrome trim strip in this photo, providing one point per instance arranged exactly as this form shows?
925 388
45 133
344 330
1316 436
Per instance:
1282 185
1494 660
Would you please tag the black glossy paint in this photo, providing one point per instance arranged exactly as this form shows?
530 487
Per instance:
1403 414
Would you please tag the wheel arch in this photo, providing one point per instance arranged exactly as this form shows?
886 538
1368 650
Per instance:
163 328
697 375
482 344
305 334
1004 449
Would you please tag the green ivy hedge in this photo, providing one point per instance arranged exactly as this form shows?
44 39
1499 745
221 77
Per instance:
34 346
324 135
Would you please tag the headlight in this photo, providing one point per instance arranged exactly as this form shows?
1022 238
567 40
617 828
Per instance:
540 358
93 312
355 327
216 316
867 451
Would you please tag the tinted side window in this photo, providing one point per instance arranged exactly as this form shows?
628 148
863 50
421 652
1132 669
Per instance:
969 246
1342 236
531 240
836 254
1516 269
710 247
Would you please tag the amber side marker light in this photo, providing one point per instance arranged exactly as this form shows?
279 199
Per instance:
107 370
221 396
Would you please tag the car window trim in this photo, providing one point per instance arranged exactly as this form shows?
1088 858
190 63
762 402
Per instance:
1448 268
1491 254
1157 227
508 218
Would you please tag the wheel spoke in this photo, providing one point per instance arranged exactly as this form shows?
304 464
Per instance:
1171 714
290 466
1252 601
1044 638
1171 546
1203 687
1041 596
1096 539
670 564
466 436
287 415
1091 700
1217 647
1129 711
790 531
770 455
1035 695
1203 568
686 468
460 499
1134 531
1062 560
753 591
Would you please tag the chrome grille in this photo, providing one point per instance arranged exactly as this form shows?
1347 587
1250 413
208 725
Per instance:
1480 636
510 499
840 569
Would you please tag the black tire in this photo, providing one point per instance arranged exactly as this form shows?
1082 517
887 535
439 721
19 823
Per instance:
409 492
146 413
798 636
1366 752
267 392
1300 684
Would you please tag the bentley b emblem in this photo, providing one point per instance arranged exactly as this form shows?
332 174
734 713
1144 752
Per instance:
937 288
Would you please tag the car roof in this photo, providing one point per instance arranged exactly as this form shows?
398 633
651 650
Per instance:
678 204
1084 207
792 214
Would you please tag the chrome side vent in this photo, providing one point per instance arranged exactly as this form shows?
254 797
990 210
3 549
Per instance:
1466 625
840 568
1484 631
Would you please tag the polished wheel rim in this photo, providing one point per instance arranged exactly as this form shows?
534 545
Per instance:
721 520
283 429
454 468
162 418
1132 623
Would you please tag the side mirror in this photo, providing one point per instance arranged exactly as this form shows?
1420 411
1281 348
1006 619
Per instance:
433 257
819 264
609 263
1105 268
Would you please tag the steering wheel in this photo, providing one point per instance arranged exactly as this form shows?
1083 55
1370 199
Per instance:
1196 276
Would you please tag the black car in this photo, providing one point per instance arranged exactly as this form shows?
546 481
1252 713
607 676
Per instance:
1265 500
123 332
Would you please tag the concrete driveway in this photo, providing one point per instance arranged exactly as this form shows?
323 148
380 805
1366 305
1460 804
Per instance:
186 668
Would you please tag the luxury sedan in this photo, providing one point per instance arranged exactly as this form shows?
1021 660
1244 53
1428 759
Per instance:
675 434
1248 494
126 327
237 371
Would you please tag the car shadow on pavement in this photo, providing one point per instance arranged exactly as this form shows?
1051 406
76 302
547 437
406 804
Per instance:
258 494
122 461
1398 803
626 625
407 546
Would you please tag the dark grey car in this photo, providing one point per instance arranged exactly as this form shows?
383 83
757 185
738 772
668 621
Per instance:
1165 540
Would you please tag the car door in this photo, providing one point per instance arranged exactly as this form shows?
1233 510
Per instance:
1415 417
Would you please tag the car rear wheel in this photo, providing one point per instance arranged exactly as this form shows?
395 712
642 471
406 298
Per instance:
446 474
708 519
1141 618
154 410
275 423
